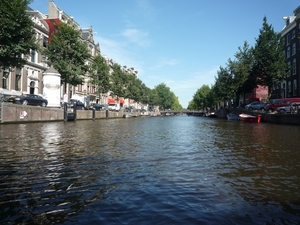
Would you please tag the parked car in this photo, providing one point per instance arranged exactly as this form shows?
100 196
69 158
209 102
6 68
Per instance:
284 109
280 103
256 106
29 99
76 103
113 107
97 107
293 108
130 109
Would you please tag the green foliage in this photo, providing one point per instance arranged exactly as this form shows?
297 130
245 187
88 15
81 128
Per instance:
153 97
176 105
68 54
192 105
99 74
165 96
224 85
270 65
245 79
17 35
119 81
201 97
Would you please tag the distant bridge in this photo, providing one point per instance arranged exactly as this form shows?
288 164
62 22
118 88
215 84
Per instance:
179 112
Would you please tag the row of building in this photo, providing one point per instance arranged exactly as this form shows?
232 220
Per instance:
30 78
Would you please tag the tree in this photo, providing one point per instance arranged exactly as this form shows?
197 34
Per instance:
269 65
201 99
224 85
68 54
192 105
99 74
176 105
118 81
153 97
244 78
165 97
17 35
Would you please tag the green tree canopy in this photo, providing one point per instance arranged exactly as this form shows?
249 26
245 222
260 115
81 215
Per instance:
192 105
201 99
17 35
118 81
176 105
99 74
68 54
165 96
224 85
245 79
270 65
153 97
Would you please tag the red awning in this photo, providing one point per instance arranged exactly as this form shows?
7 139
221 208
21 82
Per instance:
111 100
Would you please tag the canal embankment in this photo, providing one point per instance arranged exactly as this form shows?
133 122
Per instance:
287 118
13 113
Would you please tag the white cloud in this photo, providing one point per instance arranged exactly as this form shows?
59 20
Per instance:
118 52
137 36
165 62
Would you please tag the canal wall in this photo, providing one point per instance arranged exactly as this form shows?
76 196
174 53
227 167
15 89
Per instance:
292 119
13 113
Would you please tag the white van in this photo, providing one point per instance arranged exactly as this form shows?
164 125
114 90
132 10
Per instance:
113 107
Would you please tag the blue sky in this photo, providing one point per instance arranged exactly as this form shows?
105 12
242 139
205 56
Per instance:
181 43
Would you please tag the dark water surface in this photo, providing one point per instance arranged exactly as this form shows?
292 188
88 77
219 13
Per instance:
163 170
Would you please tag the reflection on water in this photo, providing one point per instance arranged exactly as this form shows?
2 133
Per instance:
164 170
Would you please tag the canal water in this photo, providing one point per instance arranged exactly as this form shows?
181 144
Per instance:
158 170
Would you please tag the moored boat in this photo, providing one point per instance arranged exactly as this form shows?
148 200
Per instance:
232 116
249 118
127 116
144 113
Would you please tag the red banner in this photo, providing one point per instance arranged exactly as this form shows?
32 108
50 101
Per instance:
53 26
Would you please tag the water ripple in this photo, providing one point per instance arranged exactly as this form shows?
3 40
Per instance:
168 170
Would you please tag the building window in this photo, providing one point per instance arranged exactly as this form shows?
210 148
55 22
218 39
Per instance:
294 49
18 79
283 91
45 41
44 59
289 89
5 78
79 87
288 52
293 34
294 67
290 69
294 87
32 55
287 39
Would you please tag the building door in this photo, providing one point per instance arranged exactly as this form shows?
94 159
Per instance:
32 85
